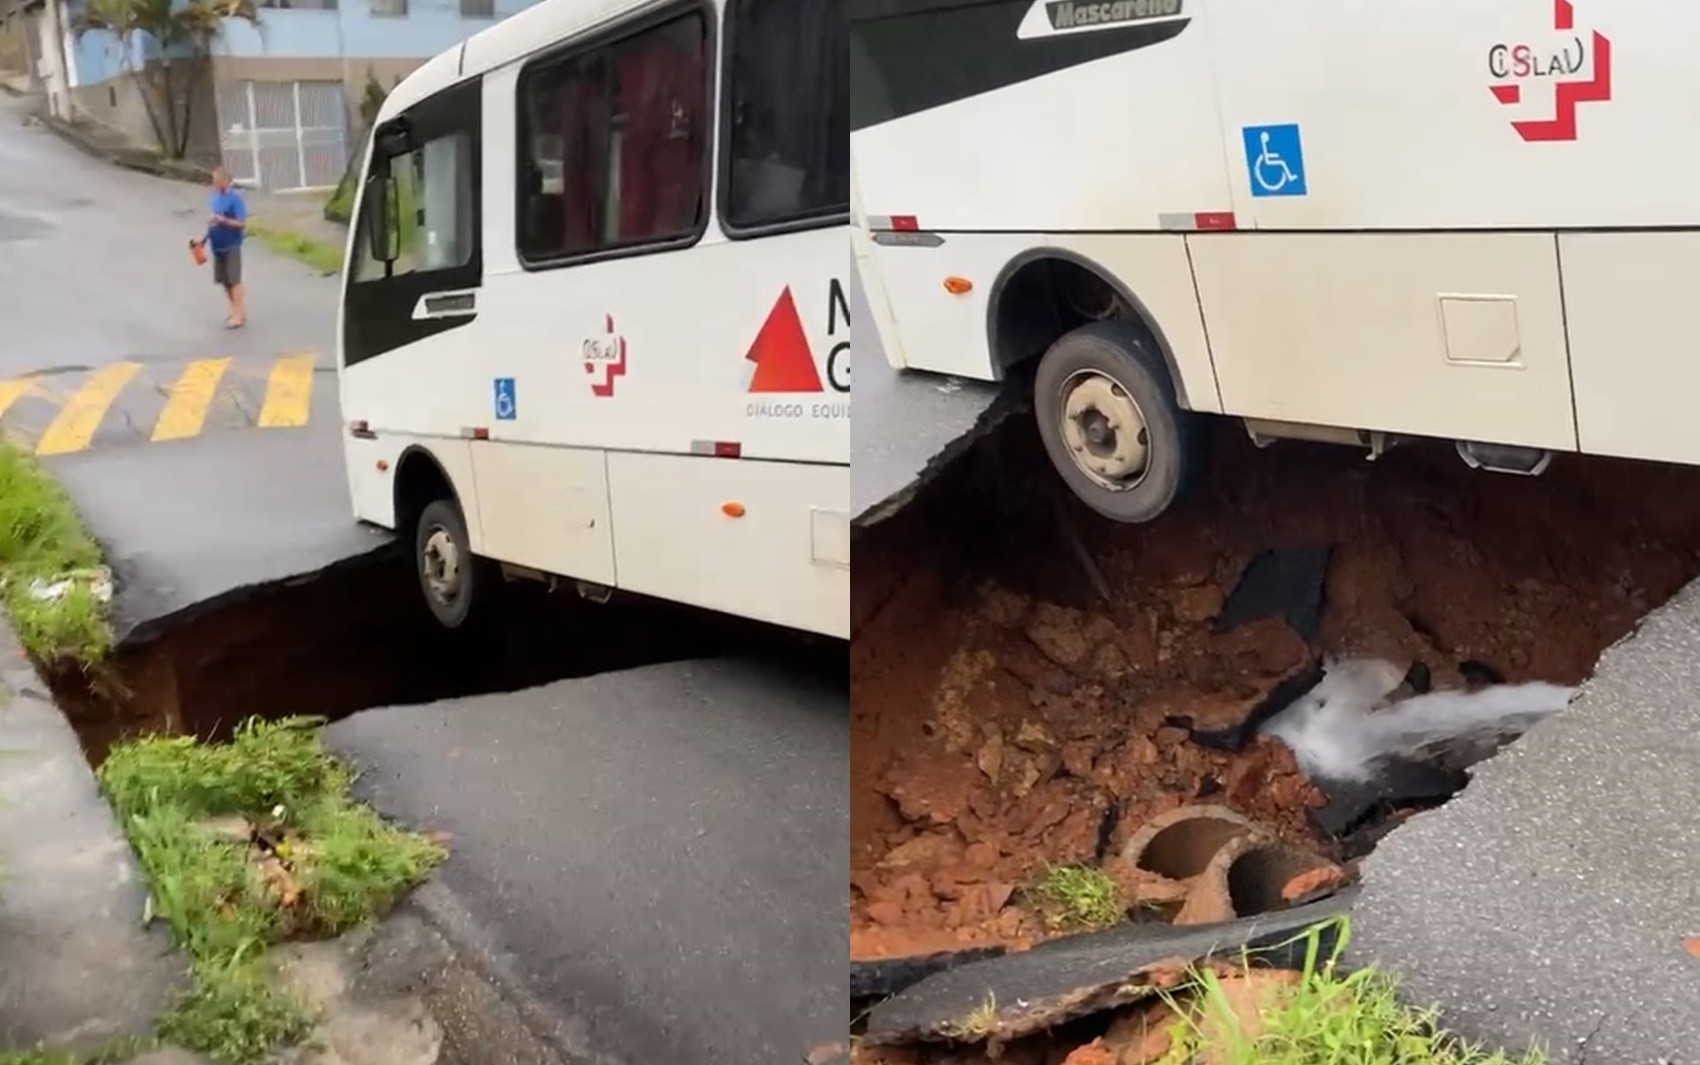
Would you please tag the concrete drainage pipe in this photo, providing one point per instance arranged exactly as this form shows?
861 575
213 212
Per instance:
1179 845
1255 874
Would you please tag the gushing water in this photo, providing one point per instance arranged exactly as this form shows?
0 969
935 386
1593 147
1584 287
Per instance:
1345 728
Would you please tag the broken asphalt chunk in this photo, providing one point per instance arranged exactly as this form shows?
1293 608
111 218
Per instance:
887 976
1398 783
1282 582
1022 994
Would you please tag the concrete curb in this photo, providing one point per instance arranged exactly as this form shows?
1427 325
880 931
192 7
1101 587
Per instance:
489 1015
80 967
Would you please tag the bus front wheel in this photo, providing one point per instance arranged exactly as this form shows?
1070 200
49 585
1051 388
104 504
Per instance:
456 583
1111 423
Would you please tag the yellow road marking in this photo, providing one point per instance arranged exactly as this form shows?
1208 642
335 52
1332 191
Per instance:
289 392
186 409
81 415
14 390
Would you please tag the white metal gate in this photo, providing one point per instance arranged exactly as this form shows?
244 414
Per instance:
284 134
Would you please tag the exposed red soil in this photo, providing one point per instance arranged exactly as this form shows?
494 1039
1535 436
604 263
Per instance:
999 710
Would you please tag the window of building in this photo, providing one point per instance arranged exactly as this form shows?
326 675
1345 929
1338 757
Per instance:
477 8
613 144
389 8
430 212
788 135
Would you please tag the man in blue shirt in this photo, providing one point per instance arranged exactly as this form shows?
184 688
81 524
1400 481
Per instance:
224 239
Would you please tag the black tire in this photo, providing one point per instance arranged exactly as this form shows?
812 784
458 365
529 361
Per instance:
477 581
1173 437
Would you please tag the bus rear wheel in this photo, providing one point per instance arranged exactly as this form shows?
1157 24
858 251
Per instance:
457 584
1111 423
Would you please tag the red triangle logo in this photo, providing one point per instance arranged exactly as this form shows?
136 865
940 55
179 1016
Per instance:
784 362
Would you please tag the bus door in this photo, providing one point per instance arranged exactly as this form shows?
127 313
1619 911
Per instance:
417 262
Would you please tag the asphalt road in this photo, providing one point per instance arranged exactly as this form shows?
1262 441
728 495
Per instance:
94 271
656 857
907 425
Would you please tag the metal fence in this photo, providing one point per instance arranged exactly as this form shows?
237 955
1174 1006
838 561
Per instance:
283 135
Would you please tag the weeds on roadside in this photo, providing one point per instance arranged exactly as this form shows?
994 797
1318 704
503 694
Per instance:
1326 1017
234 1013
246 843
42 539
114 1052
322 257
1078 896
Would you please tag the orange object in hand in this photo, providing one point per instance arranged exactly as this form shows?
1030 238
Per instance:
198 252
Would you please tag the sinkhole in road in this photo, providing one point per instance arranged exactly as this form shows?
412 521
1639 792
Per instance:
1032 685
358 636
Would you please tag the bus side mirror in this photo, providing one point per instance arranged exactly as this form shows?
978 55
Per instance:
382 223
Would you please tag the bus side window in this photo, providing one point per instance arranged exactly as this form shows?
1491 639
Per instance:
788 145
614 144
432 211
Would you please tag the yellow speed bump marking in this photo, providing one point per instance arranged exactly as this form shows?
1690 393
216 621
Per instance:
289 392
186 408
81 415
13 390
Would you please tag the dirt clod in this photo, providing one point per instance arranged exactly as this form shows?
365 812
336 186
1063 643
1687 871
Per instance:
1202 603
1246 995
1315 880
1141 1035
1093 1053
1057 632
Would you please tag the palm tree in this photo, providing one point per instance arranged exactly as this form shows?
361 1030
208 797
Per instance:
181 33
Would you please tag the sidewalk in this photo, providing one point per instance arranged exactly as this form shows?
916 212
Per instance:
80 969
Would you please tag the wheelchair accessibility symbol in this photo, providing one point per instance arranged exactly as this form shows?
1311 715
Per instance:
505 399
1275 159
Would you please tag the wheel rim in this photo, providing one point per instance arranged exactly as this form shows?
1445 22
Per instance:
439 564
1104 430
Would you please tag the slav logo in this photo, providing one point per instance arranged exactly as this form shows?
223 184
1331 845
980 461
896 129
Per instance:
785 367
605 359
1578 70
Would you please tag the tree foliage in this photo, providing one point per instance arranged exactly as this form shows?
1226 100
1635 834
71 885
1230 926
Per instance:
174 38
340 206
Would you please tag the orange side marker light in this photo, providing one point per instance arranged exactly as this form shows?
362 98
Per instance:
732 510
956 286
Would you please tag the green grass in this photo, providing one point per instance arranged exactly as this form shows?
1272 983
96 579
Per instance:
42 539
192 811
1329 1017
234 1013
322 257
1077 897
